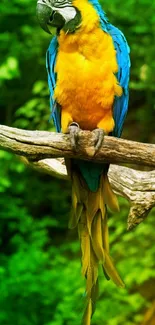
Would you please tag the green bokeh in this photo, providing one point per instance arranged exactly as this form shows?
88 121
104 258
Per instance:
40 277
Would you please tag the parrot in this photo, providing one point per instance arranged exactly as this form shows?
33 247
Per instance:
88 67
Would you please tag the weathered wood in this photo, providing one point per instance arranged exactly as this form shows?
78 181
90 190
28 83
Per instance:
36 145
136 186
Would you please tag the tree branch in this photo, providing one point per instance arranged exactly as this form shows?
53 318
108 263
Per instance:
137 186
36 145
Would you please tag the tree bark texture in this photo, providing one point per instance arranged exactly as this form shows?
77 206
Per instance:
38 147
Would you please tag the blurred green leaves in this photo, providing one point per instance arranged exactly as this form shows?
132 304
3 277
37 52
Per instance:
40 277
9 69
23 41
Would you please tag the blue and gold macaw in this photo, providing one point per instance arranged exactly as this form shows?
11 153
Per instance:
88 74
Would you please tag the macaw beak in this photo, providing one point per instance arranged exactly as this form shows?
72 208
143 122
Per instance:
48 17
44 13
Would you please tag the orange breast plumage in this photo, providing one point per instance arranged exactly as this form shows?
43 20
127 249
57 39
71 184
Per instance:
86 82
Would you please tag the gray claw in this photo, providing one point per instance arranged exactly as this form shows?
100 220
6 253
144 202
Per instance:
99 137
74 131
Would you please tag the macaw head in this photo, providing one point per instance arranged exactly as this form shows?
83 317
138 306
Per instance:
58 13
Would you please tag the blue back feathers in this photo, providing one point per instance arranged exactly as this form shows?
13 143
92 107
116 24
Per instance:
123 60
101 13
50 64
92 171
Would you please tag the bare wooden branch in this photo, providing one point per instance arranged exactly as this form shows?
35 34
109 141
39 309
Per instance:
136 186
36 145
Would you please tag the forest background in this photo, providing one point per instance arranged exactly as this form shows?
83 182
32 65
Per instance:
40 277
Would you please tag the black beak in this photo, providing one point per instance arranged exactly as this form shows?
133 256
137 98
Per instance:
48 17
44 13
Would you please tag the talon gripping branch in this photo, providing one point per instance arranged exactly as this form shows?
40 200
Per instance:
88 74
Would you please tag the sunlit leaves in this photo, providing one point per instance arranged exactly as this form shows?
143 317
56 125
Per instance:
40 276
9 69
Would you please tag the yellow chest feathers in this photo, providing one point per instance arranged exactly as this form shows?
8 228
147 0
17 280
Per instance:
85 67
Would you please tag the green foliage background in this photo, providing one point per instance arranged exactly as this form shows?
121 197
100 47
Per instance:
40 279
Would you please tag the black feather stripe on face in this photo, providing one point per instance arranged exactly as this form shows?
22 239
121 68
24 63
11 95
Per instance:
60 14
57 3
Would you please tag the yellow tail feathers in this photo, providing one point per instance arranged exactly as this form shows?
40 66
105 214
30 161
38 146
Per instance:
89 214
87 314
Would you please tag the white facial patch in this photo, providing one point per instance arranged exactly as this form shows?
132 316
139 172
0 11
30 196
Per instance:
68 13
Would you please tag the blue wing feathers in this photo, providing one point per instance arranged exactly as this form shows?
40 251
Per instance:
122 53
50 64
123 60
103 18
91 171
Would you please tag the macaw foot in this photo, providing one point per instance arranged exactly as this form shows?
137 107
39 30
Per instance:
99 137
74 131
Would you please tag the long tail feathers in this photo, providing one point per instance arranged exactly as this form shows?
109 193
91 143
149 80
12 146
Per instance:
90 215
